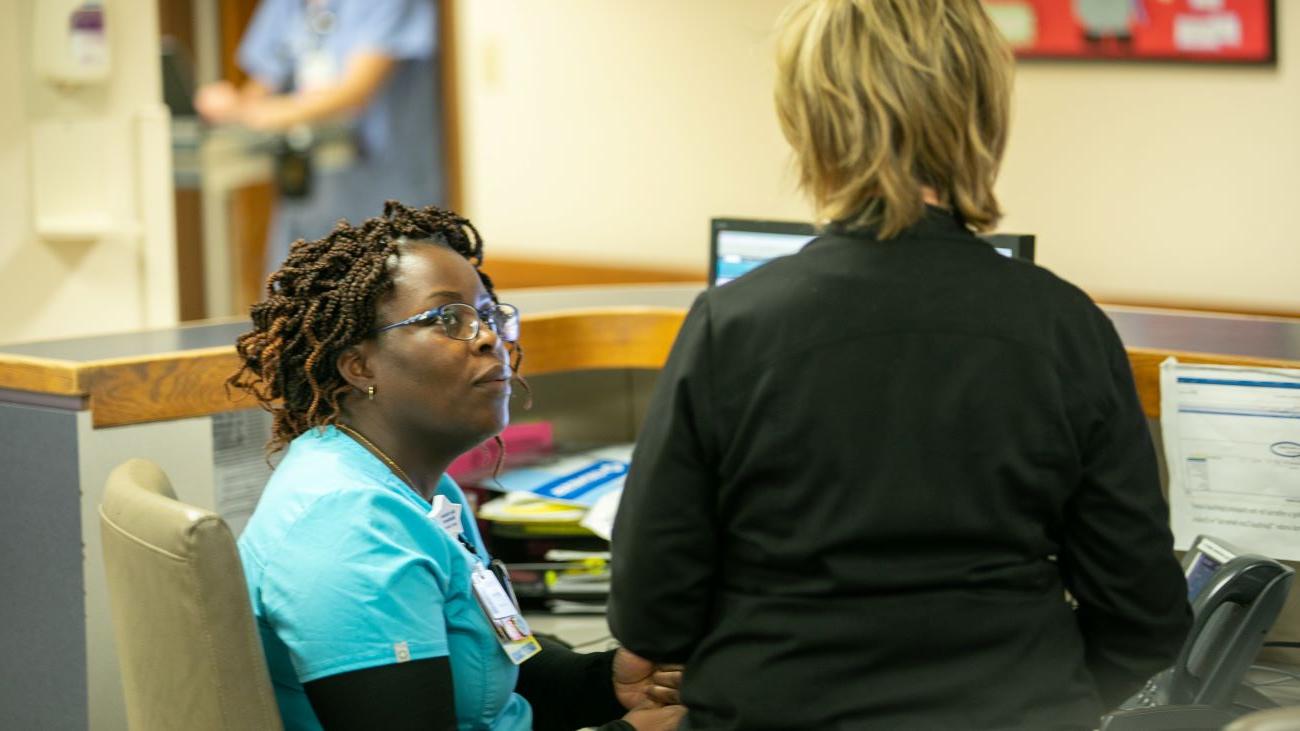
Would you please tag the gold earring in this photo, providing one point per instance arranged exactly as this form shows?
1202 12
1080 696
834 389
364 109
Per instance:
370 393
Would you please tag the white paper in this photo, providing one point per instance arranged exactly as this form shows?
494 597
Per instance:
1207 32
239 468
578 479
1232 444
600 516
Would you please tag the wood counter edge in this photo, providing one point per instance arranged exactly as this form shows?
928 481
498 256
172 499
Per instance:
190 383
158 387
41 375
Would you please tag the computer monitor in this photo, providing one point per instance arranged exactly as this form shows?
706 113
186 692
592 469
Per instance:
738 245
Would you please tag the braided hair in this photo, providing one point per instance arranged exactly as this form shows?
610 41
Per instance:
322 300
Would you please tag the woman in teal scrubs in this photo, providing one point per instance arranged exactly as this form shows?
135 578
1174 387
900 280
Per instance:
383 354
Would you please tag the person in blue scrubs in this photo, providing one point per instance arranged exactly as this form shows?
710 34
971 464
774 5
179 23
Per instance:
383 354
368 66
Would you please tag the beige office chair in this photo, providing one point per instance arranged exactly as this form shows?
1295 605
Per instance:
1274 719
188 649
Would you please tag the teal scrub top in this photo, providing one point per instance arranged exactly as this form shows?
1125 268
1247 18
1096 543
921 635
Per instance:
346 571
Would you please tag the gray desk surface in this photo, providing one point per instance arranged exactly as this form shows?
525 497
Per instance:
1282 687
124 345
587 632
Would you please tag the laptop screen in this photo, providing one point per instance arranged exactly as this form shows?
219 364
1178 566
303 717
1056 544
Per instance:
739 245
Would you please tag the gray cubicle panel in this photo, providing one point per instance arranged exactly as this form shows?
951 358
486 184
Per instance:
55 634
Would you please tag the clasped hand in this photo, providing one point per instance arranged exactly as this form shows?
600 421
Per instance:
649 691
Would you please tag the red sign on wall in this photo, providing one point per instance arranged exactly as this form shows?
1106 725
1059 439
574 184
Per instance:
1222 31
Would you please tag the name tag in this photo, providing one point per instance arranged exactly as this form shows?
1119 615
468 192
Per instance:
513 633
315 70
490 591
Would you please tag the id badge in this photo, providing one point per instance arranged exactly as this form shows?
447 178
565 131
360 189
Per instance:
513 633
315 70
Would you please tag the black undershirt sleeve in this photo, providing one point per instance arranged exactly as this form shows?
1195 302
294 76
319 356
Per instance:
398 697
567 691
570 690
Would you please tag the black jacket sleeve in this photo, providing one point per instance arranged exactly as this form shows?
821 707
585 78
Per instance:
664 543
414 696
570 690
1117 555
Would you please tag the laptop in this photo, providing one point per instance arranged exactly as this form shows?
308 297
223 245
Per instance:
738 245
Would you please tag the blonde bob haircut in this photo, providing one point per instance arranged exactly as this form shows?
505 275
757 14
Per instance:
880 98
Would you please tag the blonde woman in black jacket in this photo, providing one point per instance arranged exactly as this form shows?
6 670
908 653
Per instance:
872 470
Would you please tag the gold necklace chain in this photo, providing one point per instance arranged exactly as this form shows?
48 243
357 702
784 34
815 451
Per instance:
392 465
397 469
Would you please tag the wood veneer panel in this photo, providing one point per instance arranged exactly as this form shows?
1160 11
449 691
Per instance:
41 375
514 273
633 337
156 388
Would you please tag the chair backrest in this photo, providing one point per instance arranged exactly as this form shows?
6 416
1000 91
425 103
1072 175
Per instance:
188 649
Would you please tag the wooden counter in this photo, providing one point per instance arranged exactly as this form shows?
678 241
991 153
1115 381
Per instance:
169 374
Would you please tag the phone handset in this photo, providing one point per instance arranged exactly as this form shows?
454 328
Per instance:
1232 612
1232 615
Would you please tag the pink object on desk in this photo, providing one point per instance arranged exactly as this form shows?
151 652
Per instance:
525 443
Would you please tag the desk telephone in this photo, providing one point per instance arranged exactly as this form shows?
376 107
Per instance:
1235 599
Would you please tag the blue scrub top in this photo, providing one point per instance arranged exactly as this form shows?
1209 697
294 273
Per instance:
399 133
346 571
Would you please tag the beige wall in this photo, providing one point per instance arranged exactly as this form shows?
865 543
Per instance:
612 130
66 153
1163 183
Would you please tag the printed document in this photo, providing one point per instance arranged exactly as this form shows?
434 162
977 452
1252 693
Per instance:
579 479
1232 445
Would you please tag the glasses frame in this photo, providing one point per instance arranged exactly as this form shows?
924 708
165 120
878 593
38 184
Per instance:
480 317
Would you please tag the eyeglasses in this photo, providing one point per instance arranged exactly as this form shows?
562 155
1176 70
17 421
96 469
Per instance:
462 322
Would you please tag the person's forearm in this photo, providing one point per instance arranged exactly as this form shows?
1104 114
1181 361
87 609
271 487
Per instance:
252 90
364 75
568 689
282 111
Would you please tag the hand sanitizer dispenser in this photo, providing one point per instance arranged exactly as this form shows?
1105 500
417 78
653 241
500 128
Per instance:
72 47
